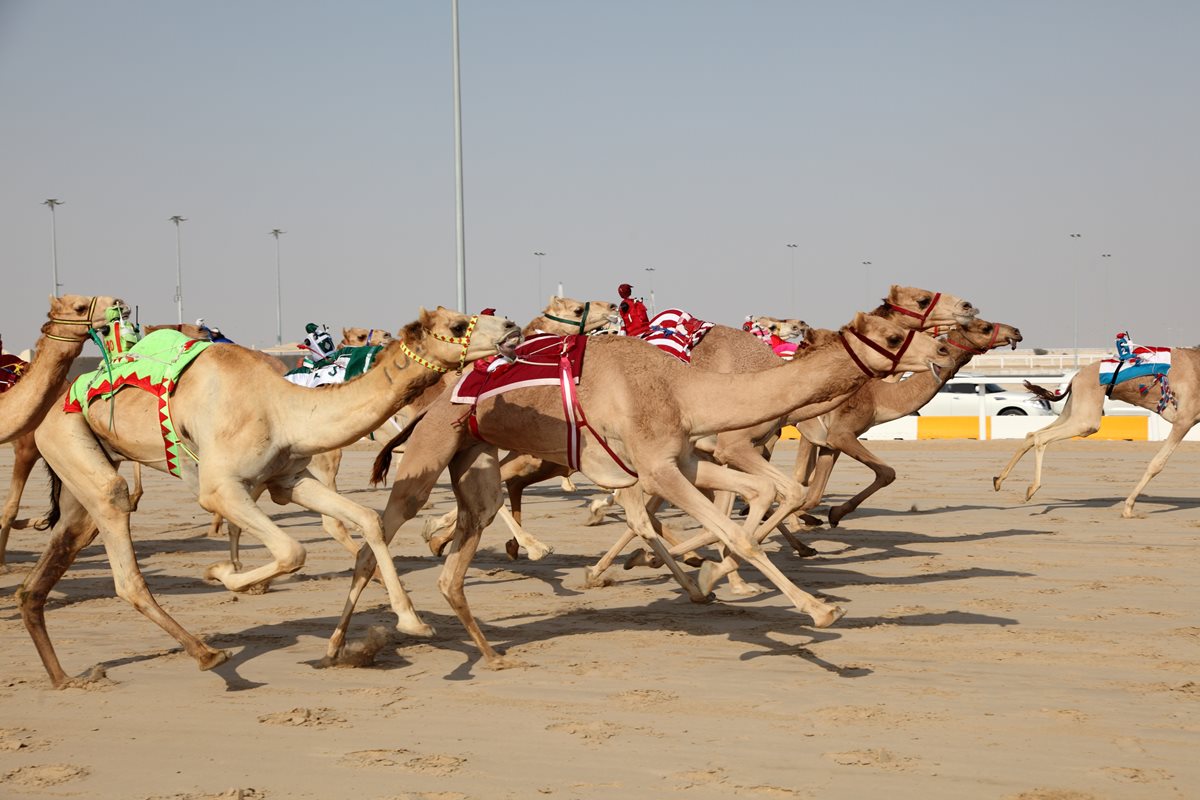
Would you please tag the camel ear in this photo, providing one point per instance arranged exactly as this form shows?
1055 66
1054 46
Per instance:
858 319
425 317
553 299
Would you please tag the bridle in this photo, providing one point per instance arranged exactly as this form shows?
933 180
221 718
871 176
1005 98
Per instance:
916 315
894 358
978 351
86 322
582 323
465 341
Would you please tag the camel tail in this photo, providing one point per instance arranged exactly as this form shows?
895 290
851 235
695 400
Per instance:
1046 394
383 461
55 492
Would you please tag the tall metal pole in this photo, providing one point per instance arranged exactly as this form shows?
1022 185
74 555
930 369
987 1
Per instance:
458 173
52 202
650 275
540 299
792 249
278 291
1106 305
1075 302
178 266
867 276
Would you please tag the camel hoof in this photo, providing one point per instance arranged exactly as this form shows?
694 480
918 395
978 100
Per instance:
219 571
538 553
827 616
836 515
595 517
416 627
743 589
438 544
708 577
212 659
93 676
640 558
258 588
513 548
692 561
568 485
595 580
996 483
505 662
1030 492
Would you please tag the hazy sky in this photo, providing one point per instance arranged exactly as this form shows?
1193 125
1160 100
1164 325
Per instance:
954 145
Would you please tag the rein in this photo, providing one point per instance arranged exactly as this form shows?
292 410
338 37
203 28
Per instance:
922 317
465 341
895 359
87 322
582 318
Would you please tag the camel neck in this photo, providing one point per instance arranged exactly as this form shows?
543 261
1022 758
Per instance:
23 406
719 402
339 415
895 400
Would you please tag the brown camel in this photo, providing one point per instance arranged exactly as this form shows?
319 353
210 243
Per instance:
1085 407
730 350
829 435
630 444
362 337
248 427
72 319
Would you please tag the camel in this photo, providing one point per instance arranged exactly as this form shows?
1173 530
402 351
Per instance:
363 337
829 435
72 319
636 446
1085 406
247 427
730 350
783 328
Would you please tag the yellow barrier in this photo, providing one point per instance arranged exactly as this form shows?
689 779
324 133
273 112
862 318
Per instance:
1120 428
790 432
951 428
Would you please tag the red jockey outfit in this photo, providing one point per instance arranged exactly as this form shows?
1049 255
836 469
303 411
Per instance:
633 312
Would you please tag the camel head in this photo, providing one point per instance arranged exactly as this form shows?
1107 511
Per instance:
921 309
783 328
73 316
563 316
979 336
363 337
451 339
885 347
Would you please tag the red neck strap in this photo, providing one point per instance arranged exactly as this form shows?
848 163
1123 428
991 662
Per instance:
978 351
894 358
916 315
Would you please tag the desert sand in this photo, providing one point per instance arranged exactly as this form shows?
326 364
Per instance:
991 649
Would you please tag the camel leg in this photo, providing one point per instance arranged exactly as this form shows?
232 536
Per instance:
740 454
597 508
476 480
536 549
633 500
231 498
325 467
592 576
135 494
639 558
884 476
1080 417
214 529
674 487
1178 430
516 485
25 455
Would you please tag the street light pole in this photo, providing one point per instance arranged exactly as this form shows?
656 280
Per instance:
867 276
52 202
178 266
540 298
458 172
278 290
650 275
792 249
1075 302
1106 306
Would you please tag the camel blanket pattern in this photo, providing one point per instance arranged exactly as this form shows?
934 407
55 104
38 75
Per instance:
537 364
676 332
11 370
153 365
342 365
1143 362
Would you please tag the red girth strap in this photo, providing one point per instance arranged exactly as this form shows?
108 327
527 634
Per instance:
895 359
573 411
909 312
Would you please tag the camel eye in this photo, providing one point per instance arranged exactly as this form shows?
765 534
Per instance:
579 311
80 308
923 302
987 328
893 341
458 328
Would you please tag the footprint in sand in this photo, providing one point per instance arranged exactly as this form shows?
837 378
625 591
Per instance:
591 732
229 794
305 718
1052 794
12 739
640 698
879 758
407 760
40 776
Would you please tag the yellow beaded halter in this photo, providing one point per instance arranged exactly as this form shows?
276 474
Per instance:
465 341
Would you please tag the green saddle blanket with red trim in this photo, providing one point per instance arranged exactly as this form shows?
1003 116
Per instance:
153 365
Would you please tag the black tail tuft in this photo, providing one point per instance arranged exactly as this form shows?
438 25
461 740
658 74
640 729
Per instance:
55 492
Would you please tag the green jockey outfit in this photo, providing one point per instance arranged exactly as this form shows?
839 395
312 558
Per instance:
324 365
153 364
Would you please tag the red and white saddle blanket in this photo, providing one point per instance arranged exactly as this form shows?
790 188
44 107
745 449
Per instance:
538 362
676 332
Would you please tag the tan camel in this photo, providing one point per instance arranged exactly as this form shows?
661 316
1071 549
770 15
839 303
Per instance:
362 337
1085 407
783 328
629 444
729 350
248 427
72 318
828 436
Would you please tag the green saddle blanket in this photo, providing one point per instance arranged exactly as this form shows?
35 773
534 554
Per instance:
154 365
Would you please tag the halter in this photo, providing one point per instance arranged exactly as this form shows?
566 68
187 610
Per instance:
922 317
980 350
895 359
465 341
582 319
87 322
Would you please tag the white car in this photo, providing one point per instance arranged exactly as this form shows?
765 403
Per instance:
960 398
